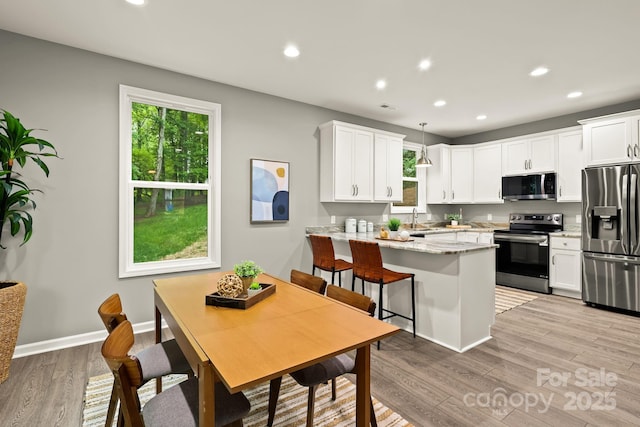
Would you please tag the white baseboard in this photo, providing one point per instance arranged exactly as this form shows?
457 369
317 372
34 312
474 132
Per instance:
75 340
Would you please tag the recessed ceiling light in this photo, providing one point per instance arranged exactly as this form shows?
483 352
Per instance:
291 51
481 117
136 2
424 65
540 71
440 103
381 84
576 94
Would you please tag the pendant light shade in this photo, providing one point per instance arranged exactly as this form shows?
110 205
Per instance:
423 161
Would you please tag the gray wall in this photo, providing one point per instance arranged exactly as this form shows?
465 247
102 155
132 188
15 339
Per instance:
71 263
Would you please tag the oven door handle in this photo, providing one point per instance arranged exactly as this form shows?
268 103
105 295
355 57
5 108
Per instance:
612 258
541 240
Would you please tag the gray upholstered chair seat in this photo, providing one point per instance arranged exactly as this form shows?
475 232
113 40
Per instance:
162 359
324 371
177 406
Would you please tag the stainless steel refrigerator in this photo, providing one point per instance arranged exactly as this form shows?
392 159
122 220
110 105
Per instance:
610 236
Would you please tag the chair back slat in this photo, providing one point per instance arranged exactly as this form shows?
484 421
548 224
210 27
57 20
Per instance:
314 283
110 312
367 260
323 253
354 299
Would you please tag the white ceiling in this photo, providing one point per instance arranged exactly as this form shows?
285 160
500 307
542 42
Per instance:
481 51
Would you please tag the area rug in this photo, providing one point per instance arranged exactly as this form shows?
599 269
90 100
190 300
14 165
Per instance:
291 410
507 298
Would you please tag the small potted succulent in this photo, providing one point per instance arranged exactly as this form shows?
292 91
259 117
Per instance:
394 225
247 271
253 289
453 218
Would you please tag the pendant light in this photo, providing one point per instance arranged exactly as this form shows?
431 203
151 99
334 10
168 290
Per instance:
423 161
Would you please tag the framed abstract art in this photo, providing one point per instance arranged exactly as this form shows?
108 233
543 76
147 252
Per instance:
269 191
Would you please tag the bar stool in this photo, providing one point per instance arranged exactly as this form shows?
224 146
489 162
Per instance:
324 257
367 266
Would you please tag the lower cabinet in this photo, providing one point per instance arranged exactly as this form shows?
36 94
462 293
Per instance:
564 266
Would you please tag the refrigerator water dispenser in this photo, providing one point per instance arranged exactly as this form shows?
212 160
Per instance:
606 223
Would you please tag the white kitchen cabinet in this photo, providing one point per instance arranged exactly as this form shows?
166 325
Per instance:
347 162
564 266
449 236
461 174
611 139
474 237
485 237
387 168
531 155
569 178
439 174
487 174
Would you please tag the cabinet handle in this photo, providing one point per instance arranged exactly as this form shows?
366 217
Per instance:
553 260
525 164
635 150
628 151
453 195
560 191
499 194
390 191
353 190
357 189
444 194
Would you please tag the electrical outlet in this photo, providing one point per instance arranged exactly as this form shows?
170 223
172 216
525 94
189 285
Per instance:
333 219
578 219
444 217
489 217
428 217
385 218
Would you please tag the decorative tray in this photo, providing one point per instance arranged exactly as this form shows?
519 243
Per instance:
458 226
242 301
397 239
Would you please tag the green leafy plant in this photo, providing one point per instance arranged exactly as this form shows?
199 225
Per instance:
247 269
16 147
453 217
255 286
394 224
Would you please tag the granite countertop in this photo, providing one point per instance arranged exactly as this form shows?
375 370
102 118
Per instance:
439 247
567 233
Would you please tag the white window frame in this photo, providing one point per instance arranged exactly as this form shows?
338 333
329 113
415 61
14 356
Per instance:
421 178
127 268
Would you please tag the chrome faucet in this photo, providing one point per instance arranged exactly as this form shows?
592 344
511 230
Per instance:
414 222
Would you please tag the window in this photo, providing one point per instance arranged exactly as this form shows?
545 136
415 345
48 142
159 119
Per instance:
413 182
169 183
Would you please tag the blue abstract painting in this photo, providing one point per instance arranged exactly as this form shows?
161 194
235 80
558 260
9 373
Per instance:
269 191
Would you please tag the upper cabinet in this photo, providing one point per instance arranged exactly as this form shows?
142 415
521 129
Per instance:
531 155
387 168
611 139
347 163
569 184
439 174
487 173
461 174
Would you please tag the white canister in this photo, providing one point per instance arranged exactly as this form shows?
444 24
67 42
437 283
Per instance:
369 227
350 225
362 226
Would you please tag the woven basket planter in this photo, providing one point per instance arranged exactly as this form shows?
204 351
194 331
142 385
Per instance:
12 296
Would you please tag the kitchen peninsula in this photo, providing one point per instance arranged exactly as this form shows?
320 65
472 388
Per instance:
455 286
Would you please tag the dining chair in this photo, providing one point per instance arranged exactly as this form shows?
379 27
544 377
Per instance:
327 370
324 257
368 266
176 406
155 361
314 283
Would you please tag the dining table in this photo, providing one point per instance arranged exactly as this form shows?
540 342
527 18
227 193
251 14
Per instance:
290 329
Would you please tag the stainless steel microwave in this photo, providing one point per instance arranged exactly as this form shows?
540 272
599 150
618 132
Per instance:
529 187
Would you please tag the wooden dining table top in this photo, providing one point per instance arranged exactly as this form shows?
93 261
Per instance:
289 330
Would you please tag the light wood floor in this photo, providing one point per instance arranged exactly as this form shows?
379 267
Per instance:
533 347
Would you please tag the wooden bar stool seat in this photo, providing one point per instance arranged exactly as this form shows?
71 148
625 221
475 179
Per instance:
324 257
367 266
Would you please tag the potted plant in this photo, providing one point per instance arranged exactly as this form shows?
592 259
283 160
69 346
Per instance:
17 146
453 218
254 289
394 225
247 271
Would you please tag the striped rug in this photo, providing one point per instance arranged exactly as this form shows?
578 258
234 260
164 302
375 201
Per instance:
508 298
291 410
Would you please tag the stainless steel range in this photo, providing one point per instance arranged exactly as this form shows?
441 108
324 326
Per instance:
522 260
